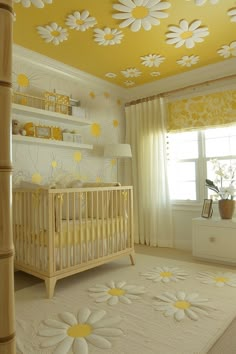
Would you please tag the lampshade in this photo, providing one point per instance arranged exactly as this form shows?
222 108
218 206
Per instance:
117 150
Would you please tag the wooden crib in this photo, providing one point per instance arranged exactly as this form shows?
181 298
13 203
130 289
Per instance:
60 232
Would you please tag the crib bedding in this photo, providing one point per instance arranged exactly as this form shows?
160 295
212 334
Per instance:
71 232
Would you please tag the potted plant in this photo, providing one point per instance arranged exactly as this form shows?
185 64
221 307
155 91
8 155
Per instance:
223 186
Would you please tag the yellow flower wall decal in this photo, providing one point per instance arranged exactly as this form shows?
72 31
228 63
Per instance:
92 94
36 178
95 129
115 123
54 163
22 80
77 156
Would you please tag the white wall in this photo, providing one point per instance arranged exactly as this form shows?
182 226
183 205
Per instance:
34 75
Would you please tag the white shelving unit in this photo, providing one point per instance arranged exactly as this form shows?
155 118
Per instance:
55 118
58 143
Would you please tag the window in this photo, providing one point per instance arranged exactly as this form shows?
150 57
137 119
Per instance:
189 155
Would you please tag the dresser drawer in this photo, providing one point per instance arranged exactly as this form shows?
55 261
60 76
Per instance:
214 242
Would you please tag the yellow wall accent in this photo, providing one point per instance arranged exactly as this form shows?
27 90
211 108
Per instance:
202 111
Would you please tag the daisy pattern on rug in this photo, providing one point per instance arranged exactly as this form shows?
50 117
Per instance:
181 305
186 34
53 33
108 36
80 21
151 60
131 72
219 279
232 15
115 292
36 3
227 50
165 274
76 333
188 60
140 13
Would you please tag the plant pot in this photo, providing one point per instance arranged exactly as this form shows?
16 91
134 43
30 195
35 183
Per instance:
226 208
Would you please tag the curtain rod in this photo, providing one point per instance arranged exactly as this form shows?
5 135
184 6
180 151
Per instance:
167 93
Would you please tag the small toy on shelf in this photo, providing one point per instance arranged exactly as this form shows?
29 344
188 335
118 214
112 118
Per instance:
15 127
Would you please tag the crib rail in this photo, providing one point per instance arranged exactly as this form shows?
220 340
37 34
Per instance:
59 230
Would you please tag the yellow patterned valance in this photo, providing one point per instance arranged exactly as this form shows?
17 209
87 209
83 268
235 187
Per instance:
203 111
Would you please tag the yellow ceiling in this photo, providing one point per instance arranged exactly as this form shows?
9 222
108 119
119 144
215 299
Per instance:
203 31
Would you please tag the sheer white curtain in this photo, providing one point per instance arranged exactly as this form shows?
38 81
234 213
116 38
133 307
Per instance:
145 132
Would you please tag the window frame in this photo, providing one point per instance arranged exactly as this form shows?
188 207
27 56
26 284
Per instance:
200 170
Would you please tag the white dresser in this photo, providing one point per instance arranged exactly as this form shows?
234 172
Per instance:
214 239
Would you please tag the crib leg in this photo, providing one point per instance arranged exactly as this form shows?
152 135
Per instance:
132 258
50 286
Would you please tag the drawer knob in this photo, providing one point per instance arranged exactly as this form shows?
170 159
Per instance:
212 239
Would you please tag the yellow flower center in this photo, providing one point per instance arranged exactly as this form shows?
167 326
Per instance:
36 178
95 129
77 156
55 33
116 292
186 35
79 330
54 164
113 162
79 22
115 123
166 274
108 36
183 305
22 80
140 12
221 279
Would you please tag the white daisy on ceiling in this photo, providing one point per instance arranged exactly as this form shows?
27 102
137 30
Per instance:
36 3
53 33
115 292
188 60
155 73
165 274
202 2
227 50
232 15
108 36
152 60
129 83
80 21
111 75
131 72
181 305
76 333
219 279
140 13
186 34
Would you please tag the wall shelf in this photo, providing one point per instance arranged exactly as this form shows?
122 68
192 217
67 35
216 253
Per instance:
57 143
55 117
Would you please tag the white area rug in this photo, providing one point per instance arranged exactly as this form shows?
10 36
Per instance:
158 306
